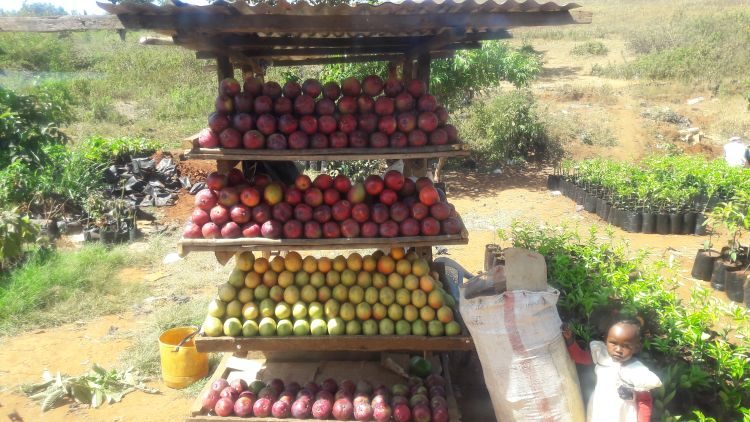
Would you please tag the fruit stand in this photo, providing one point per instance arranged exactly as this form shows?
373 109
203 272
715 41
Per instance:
382 302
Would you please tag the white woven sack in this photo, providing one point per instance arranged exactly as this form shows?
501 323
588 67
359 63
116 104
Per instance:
526 367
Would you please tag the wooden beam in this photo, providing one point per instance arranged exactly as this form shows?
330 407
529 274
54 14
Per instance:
252 40
224 68
155 41
302 52
378 24
351 59
59 23
334 343
423 68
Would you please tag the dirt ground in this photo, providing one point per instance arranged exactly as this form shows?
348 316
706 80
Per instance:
486 202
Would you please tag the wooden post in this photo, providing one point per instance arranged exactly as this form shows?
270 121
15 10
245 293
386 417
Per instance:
392 70
423 68
408 69
224 68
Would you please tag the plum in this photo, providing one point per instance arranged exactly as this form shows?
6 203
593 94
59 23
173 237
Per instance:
421 413
348 385
238 385
440 414
281 409
396 400
434 379
438 401
330 385
268 393
302 408
227 392
401 413
224 406
243 407
362 411
324 394
381 412
437 391
209 399
294 387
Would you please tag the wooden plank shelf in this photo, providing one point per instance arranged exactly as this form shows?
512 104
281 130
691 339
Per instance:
329 343
329 154
185 246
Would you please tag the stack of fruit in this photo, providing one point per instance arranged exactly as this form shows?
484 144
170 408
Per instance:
232 207
355 114
371 295
422 400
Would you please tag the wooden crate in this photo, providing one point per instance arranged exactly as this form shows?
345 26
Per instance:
251 369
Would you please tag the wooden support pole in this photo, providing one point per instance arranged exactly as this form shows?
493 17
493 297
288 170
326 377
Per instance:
423 68
408 69
392 69
224 68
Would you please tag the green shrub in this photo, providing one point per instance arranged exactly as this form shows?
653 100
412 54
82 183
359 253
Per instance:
356 170
506 128
704 371
590 48
15 232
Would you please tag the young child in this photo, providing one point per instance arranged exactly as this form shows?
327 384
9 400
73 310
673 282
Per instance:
623 383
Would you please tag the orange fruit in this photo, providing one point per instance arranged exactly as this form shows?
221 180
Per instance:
386 265
277 264
293 262
369 263
324 264
310 264
260 265
339 263
354 262
426 283
397 253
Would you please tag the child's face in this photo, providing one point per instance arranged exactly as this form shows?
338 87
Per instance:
623 342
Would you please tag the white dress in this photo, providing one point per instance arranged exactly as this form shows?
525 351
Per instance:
605 404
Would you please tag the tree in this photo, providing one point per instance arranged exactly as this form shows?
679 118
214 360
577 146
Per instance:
39 9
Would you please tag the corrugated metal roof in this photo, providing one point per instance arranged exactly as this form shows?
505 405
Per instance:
306 9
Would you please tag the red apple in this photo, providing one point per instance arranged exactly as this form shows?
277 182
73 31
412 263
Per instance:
253 140
304 104
293 196
394 180
399 212
323 181
341 210
398 140
242 122
313 230
379 140
283 106
263 104
253 86
356 193
293 229
374 185
218 122
322 213
388 197
331 230
350 228
250 196
287 124
404 102
272 89
208 139
261 213
292 89
416 88
384 106
409 188
350 86
369 229
407 122
261 180
312 87
439 137
271 229
216 181
427 103
419 211
430 227
367 122
251 230
417 138
331 90
211 231
347 123
365 104
327 124
409 227
325 107
277 141
440 211
331 196
308 124
342 183
318 141
313 197
358 139
372 85
224 104
347 105
192 231
392 87
387 124
199 217
360 212
302 182
219 215
230 138
451 225
427 121
231 230
388 229
240 214
339 140
452 133
380 213
266 124
235 177
429 195
243 103
303 212
228 197
206 199
299 140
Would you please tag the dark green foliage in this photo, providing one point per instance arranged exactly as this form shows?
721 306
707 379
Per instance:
506 128
356 170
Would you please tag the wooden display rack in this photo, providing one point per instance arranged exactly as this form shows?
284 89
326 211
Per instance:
408 35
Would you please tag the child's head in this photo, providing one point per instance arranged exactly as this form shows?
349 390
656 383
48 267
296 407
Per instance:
624 340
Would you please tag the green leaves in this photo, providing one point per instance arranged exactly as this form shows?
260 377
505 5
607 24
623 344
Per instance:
15 231
96 388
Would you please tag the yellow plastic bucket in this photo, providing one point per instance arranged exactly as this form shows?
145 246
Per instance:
185 366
